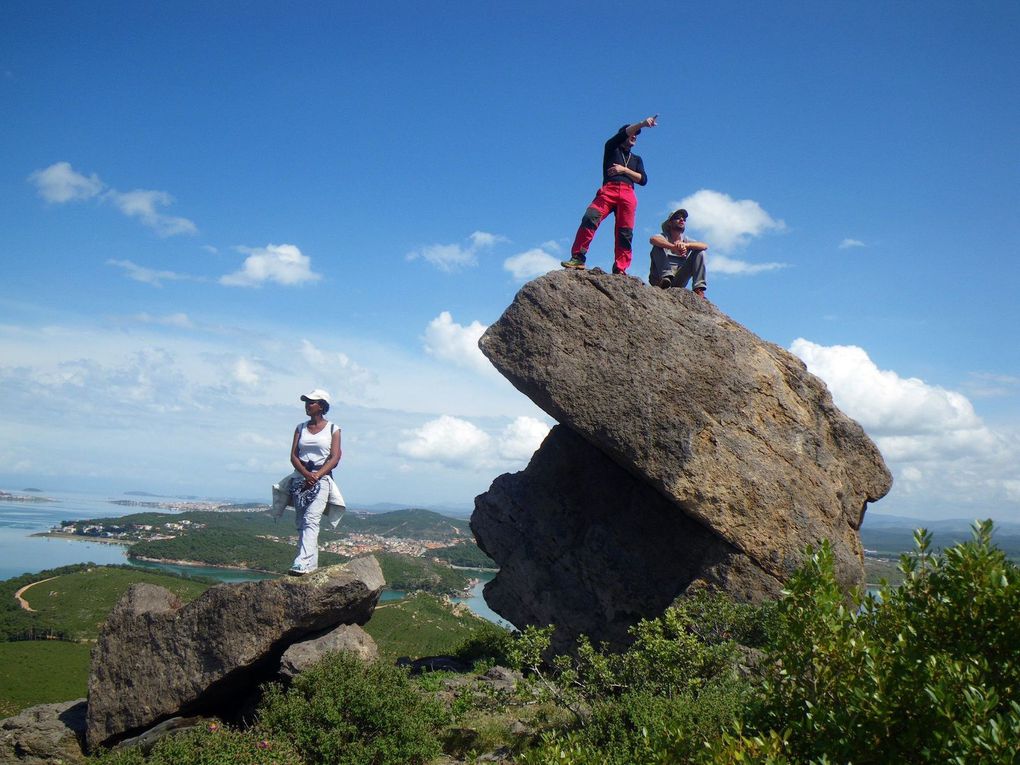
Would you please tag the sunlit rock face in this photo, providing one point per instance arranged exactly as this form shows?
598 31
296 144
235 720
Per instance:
690 453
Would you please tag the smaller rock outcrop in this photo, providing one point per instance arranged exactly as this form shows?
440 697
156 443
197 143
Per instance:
157 659
45 734
347 637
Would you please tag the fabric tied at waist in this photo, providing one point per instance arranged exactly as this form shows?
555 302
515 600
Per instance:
302 496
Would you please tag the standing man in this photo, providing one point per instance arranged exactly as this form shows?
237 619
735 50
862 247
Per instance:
675 259
621 169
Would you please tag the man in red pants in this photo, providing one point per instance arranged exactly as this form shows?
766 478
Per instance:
621 169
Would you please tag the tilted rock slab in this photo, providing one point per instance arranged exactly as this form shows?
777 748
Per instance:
585 546
731 430
157 658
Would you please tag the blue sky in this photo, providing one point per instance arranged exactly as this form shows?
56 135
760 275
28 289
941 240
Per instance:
208 209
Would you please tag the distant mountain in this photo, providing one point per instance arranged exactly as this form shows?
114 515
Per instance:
893 534
457 511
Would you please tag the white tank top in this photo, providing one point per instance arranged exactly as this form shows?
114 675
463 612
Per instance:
315 447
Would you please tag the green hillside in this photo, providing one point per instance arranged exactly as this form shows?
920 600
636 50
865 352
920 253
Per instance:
41 672
218 546
76 600
424 625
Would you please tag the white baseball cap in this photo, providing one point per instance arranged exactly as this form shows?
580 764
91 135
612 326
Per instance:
317 395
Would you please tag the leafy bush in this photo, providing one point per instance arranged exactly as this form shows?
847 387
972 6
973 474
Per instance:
345 712
927 672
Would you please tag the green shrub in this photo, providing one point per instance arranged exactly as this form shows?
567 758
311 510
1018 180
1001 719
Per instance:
926 672
213 745
345 712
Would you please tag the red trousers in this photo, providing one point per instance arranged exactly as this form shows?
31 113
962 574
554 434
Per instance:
619 199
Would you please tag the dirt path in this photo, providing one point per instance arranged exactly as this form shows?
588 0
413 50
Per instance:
24 603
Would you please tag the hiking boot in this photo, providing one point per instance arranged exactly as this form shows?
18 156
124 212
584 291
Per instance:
700 292
665 282
619 271
574 262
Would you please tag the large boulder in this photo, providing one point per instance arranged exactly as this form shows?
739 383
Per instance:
584 545
157 659
732 432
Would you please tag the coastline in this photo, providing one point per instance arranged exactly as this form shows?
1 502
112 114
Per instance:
83 538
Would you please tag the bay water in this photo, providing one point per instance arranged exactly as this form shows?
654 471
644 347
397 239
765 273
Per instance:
21 552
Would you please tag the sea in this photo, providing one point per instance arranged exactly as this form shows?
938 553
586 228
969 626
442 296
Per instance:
22 551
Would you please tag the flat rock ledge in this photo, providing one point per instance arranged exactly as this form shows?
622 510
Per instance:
156 658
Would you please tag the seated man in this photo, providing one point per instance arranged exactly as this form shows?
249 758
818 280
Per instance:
675 259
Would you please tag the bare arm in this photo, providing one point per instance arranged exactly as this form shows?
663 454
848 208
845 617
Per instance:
678 248
295 461
646 122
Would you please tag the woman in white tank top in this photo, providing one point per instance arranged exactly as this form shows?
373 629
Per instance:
314 453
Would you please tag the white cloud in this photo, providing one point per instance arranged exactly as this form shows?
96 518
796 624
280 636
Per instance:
726 223
59 183
521 438
720 264
142 204
447 340
881 400
148 275
336 368
530 264
457 443
280 263
848 243
450 441
453 257
945 454
481 239
245 372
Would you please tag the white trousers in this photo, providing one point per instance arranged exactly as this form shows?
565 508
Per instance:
307 523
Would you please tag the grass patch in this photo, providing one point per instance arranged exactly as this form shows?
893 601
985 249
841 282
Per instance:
41 672
77 604
424 625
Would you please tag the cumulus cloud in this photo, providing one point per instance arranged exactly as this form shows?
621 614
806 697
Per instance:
848 243
939 449
530 264
279 263
453 257
60 183
456 443
148 275
449 441
721 264
446 339
726 223
142 204
521 438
